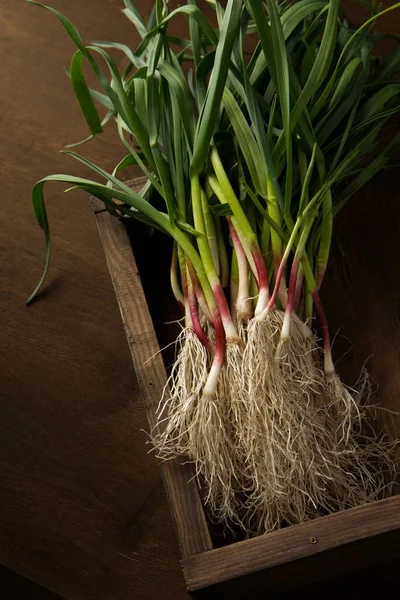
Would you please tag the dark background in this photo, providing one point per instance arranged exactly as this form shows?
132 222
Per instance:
82 508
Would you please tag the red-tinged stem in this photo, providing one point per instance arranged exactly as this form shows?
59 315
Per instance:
243 303
224 311
280 271
278 280
329 368
290 300
292 285
201 299
245 246
294 272
257 265
263 287
226 195
281 291
208 263
195 319
299 289
212 380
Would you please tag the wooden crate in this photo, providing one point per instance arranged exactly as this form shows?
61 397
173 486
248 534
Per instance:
298 554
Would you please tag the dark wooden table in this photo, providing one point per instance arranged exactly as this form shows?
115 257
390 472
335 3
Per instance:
82 508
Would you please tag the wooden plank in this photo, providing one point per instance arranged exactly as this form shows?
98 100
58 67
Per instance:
288 546
330 575
182 491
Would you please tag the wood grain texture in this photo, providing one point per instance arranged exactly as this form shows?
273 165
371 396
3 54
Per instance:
288 546
328 575
192 530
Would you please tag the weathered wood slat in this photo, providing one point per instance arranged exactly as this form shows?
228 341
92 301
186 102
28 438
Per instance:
332 533
184 499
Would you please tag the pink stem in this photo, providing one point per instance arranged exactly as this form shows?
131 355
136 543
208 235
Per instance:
196 321
263 285
329 367
199 293
323 320
224 312
290 297
262 274
243 302
219 356
299 289
278 279
235 238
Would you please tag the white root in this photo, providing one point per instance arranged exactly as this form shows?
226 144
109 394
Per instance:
199 426
180 397
279 442
212 451
366 458
301 435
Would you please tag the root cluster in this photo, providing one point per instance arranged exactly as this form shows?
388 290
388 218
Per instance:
279 442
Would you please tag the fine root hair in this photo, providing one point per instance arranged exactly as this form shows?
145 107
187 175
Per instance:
180 397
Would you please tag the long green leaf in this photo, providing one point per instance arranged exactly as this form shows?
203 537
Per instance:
209 112
83 94
182 97
321 65
135 60
138 158
273 43
118 97
132 13
344 82
246 141
354 40
192 12
101 99
131 198
376 104
291 18
71 30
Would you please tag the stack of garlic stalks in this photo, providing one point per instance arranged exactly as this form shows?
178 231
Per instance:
249 155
